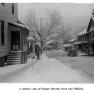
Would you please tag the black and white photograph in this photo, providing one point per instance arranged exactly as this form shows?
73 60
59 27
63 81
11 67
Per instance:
47 43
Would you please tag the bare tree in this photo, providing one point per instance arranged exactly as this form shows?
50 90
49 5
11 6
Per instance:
45 29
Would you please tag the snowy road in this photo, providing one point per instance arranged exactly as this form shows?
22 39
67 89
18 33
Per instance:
84 64
46 70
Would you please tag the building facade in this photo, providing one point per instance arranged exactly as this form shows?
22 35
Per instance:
12 34
85 39
8 13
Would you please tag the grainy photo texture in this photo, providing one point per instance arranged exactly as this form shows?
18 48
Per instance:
46 43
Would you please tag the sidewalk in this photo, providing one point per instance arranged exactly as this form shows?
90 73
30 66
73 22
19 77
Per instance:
6 70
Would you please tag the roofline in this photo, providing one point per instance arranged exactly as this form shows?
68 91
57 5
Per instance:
19 25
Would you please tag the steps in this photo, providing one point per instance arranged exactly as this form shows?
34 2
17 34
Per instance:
13 58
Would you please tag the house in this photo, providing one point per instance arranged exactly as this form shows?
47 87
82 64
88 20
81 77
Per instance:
69 44
13 35
82 41
85 39
90 32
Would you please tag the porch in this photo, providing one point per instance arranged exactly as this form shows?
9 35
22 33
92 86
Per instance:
18 43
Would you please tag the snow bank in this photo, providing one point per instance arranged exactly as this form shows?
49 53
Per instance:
6 70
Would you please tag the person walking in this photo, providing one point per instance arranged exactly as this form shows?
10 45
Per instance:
37 51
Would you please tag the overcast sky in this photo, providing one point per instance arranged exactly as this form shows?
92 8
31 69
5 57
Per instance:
77 15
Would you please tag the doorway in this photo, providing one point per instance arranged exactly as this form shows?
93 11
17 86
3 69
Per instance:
15 40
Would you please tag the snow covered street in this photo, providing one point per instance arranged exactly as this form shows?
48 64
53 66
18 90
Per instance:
46 70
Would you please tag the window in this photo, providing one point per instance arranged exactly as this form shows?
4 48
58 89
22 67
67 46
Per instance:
2 32
90 35
13 8
93 34
2 4
86 37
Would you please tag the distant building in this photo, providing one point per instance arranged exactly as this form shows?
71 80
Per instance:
90 33
85 39
69 45
31 44
82 41
12 34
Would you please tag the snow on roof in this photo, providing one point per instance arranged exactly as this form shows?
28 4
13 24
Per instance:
66 45
80 42
50 41
72 40
21 25
30 38
77 42
83 32
18 24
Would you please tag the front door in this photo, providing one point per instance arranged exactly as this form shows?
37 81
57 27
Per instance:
15 41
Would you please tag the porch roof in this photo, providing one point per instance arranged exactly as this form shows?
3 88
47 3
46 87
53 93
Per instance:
83 32
77 43
72 40
80 42
20 25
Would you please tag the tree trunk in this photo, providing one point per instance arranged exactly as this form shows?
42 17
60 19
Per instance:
41 47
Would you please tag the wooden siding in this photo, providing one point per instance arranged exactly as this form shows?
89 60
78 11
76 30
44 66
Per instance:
6 16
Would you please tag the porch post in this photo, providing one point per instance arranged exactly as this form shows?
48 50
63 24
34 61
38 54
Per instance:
21 45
